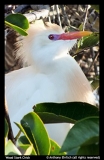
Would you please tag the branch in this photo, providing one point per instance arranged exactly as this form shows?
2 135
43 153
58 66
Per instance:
10 134
94 59
86 17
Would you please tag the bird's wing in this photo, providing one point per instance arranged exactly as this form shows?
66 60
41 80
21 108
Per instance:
21 96
24 89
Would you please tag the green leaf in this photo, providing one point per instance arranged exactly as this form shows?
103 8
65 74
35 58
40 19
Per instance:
73 151
29 150
11 149
6 128
55 148
34 130
88 41
22 130
91 140
81 27
24 144
85 132
22 141
96 7
92 149
16 28
65 112
18 20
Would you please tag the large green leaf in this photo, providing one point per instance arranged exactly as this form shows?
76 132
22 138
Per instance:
6 128
16 28
18 20
55 148
34 130
11 149
85 132
65 112
88 41
73 151
92 149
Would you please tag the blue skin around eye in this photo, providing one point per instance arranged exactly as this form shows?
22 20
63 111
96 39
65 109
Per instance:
55 37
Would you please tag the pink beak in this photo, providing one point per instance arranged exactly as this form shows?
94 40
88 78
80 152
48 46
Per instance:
74 35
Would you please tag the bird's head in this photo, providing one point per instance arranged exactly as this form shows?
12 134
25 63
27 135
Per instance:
47 42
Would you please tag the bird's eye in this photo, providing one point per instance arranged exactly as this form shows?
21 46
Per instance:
51 37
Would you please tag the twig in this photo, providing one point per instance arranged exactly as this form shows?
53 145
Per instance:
85 17
49 17
75 54
18 134
94 59
53 8
10 134
74 27
65 15
58 14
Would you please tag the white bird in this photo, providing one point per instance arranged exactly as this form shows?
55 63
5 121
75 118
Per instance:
52 75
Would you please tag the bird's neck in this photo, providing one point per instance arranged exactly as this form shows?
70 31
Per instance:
56 65
49 61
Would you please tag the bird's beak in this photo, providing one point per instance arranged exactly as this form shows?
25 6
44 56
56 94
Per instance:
74 35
